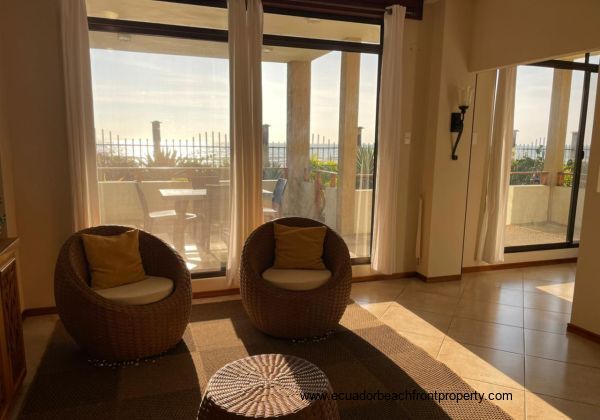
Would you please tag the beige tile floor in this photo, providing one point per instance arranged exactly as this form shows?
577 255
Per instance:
501 331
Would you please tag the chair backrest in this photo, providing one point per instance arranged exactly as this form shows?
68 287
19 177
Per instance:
278 193
217 196
142 198
201 181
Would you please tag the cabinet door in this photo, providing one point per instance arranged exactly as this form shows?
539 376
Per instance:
13 328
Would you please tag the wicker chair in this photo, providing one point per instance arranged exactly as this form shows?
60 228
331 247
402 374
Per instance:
112 331
294 314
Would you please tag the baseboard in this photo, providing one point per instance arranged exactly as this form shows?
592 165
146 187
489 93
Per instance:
215 293
582 332
48 310
27 313
361 279
376 277
492 267
438 279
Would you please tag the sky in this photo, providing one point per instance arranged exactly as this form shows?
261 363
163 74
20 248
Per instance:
532 104
190 95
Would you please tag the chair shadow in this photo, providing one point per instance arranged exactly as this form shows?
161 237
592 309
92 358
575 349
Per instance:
68 386
358 362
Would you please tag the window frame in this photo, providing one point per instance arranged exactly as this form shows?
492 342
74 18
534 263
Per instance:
99 24
365 12
588 69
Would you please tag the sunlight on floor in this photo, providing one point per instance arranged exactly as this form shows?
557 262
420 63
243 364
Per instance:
561 290
501 331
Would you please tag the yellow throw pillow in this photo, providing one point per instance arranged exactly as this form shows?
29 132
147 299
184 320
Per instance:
299 247
114 260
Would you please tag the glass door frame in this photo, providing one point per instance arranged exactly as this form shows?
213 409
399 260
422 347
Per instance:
219 35
588 68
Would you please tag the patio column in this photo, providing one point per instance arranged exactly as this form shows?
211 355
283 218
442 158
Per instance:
346 187
298 135
557 127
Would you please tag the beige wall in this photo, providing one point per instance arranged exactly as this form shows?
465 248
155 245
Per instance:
32 79
5 161
587 281
444 187
507 32
415 56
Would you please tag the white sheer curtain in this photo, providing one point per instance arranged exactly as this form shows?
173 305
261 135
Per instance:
490 247
384 255
245 49
80 113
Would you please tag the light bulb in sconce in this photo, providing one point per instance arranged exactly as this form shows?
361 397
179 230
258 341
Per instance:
465 96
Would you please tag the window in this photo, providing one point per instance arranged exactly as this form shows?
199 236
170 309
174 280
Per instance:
162 120
161 99
552 133
319 110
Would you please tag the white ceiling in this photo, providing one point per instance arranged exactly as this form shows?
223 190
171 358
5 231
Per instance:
191 47
216 18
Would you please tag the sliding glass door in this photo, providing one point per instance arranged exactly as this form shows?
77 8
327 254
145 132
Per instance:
162 121
161 102
323 164
552 134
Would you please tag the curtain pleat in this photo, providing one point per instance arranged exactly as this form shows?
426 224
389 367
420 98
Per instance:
80 113
384 251
245 50
490 246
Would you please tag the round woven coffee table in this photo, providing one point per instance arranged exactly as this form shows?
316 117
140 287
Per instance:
268 386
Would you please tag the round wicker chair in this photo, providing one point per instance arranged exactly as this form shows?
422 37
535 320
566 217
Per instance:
112 331
289 313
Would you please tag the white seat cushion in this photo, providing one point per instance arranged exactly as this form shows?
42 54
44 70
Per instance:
296 279
149 290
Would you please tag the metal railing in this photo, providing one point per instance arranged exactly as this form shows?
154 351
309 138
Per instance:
207 149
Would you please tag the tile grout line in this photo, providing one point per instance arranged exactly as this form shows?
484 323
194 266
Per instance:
564 399
449 325
452 318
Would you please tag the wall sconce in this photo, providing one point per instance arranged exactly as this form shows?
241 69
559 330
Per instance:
465 97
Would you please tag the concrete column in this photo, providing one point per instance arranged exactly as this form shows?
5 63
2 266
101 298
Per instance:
557 127
346 189
298 135
573 144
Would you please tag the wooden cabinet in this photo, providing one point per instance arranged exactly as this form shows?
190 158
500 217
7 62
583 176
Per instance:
12 348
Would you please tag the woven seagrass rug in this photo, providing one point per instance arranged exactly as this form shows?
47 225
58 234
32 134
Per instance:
362 358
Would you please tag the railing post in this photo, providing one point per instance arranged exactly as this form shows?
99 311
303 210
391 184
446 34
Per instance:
156 139
318 194
265 143
359 137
